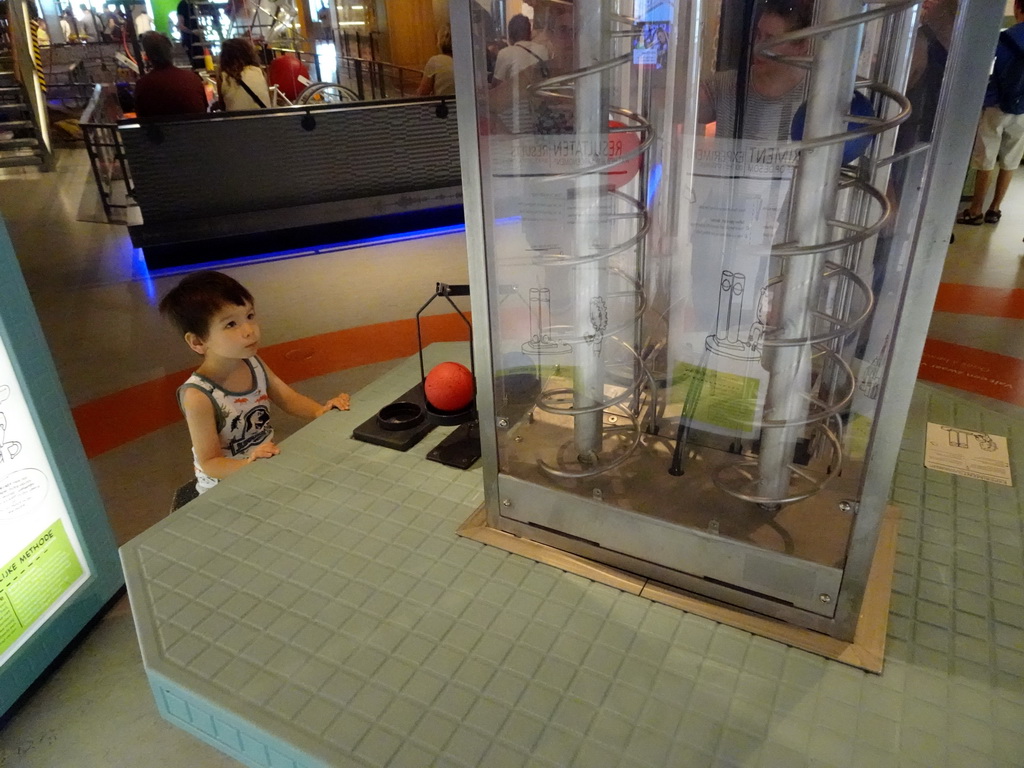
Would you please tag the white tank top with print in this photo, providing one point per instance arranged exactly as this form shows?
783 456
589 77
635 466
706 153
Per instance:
243 418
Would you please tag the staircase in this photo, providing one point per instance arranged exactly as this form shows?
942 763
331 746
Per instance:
19 134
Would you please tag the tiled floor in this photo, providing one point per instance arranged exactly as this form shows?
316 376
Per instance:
960 540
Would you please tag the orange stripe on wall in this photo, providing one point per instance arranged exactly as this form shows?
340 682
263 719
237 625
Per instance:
977 300
111 421
973 370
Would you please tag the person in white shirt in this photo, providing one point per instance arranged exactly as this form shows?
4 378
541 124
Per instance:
517 65
65 25
240 80
143 23
521 53
439 71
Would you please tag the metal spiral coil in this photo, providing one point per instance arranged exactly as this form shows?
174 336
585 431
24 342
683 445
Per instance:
560 402
841 327
821 414
741 479
859 232
629 208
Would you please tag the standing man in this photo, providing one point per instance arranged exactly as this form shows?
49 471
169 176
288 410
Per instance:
87 27
191 37
1000 137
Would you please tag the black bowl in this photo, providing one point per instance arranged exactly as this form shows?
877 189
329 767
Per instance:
400 415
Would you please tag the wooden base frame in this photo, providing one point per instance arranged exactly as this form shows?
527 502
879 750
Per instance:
867 651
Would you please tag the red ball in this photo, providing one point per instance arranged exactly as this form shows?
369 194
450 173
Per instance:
449 387
284 72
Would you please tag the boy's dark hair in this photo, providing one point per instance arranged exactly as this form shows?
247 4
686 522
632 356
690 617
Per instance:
193 302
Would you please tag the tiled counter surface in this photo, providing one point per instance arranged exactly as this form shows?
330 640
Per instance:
319 610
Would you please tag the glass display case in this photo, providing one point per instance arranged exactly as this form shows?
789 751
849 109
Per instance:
699 234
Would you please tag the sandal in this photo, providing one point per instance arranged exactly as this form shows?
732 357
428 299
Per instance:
992 217
974 219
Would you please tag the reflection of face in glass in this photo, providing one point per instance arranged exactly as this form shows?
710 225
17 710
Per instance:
769 76
768 26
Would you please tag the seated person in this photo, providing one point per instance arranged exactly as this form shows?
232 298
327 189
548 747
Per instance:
439 71
166 89
241 82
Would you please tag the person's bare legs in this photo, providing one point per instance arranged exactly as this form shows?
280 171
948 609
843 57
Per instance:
1003 179
981 181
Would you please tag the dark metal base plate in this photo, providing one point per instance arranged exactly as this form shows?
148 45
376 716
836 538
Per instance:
370 430
460 449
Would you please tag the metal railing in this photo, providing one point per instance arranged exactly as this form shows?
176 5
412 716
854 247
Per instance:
367 77
106 150
377 79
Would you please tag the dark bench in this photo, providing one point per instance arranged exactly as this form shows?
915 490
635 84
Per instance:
223 185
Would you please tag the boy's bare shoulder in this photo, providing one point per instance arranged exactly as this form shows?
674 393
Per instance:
194 397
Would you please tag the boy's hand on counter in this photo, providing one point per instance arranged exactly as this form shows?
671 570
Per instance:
339 403
264 451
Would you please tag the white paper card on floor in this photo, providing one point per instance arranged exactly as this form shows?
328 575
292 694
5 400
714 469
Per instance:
968 453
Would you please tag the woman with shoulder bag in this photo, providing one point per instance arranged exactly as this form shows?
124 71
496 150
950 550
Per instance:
240 80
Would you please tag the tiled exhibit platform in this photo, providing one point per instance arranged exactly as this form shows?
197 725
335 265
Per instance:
319 609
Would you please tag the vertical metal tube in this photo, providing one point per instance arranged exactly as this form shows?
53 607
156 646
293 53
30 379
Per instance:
640 333
786 405
977 26
470 80
589 230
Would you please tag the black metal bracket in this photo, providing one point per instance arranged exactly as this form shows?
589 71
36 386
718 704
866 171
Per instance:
446 291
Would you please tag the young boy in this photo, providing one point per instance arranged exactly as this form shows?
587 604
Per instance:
225 400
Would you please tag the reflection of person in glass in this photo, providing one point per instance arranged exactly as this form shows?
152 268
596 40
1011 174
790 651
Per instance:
439 71
553 28
521 63
774 89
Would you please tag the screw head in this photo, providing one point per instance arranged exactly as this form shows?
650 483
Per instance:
506 502
825 598
503 423
845 506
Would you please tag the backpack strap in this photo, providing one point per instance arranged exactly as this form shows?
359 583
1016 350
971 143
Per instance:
543 63
532 53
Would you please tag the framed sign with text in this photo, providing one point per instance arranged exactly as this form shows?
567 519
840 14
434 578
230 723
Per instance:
58 557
